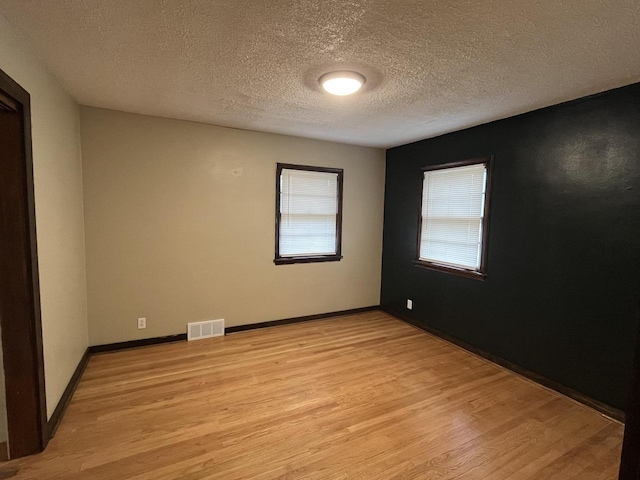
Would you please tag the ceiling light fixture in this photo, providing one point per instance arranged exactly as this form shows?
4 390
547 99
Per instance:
342 83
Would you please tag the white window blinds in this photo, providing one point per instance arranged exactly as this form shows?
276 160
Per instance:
453 202
308 212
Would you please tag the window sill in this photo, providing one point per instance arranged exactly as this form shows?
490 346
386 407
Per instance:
310 259
451 270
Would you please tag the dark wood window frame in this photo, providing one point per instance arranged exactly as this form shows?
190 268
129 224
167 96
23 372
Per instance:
28 429
288 260
480 273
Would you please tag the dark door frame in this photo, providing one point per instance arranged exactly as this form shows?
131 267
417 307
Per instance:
630 460
20 296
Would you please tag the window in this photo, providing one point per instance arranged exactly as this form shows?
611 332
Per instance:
454 217
308 214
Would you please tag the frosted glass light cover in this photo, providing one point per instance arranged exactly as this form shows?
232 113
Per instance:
342 83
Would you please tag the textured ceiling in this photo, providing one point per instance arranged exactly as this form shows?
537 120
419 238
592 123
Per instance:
431 66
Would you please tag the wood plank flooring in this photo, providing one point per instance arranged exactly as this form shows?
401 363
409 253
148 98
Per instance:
358 397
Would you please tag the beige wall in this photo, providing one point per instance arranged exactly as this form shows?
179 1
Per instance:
180 226
59 216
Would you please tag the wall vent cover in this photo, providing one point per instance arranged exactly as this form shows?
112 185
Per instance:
206 329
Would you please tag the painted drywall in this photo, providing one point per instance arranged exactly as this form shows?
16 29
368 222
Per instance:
179 223
57 169
563 264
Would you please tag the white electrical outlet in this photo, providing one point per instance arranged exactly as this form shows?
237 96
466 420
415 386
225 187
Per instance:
142 323
409 304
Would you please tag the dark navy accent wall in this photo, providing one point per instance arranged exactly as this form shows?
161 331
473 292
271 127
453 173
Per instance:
563 266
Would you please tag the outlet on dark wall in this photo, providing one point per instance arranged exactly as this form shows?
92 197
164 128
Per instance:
563 266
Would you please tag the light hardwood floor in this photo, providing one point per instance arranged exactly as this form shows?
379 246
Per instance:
358 397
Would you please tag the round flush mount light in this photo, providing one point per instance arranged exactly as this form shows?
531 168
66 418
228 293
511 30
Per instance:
342 83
